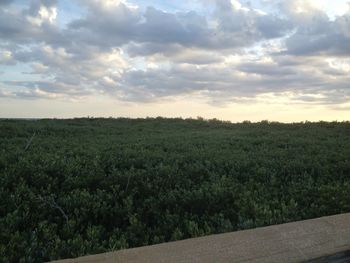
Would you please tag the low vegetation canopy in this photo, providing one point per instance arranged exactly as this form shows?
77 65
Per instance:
84 186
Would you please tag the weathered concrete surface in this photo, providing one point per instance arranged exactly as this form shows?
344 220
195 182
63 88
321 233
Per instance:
292 242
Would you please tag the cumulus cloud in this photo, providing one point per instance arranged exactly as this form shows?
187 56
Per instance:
247 25
232 53
316 33
121 24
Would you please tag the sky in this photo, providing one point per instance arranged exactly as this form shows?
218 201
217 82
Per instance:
278 60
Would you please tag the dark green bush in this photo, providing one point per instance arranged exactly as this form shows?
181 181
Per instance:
86 186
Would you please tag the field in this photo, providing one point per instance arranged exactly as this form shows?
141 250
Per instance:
84 186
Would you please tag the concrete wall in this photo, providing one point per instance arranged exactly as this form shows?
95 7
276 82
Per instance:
292 242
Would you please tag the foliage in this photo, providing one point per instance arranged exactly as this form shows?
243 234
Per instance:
82 186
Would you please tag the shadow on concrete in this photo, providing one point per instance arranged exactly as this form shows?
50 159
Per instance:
342 257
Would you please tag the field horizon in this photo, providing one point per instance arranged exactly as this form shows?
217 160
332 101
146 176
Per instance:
198 118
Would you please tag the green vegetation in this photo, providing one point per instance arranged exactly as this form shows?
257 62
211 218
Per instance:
75 187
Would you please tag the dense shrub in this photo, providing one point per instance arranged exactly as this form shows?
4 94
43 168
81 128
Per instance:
86 186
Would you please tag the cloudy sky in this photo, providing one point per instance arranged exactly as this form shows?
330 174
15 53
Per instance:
282 60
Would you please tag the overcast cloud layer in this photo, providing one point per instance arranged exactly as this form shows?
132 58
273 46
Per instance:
222 52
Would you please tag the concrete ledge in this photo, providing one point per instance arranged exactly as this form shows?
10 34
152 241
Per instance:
292 242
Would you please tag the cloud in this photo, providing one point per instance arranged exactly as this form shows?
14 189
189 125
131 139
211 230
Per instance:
267 69
6 58
236 52
5 2
121 24
316 33
45 89
247 25
34 24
